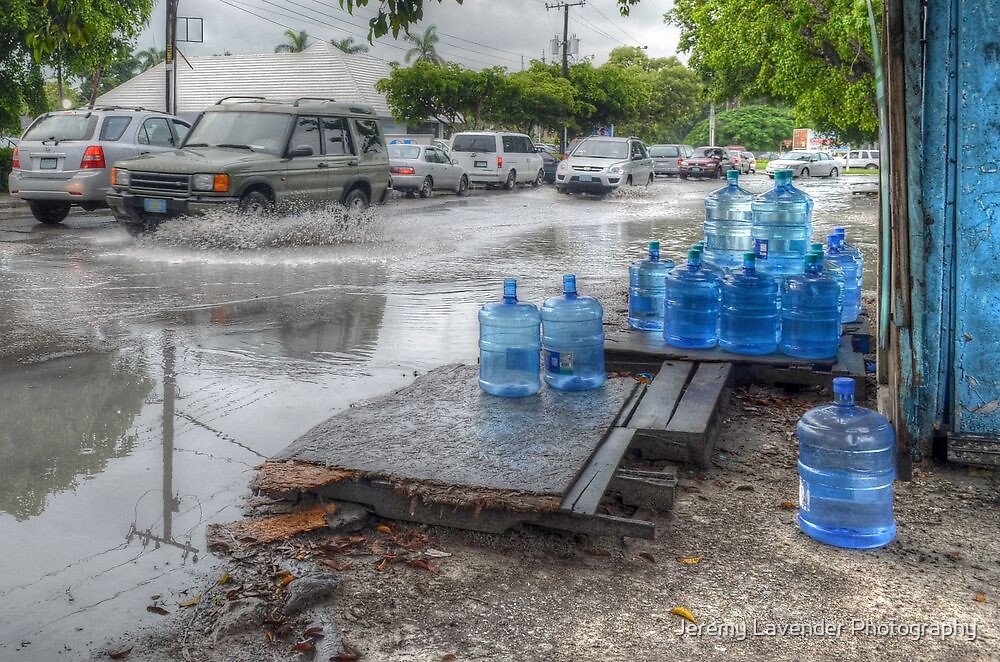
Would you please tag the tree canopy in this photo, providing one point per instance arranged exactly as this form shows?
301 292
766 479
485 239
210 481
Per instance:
756 127
813 54
424 46
295 42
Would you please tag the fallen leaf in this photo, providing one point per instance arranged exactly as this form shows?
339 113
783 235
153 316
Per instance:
313 633
304 647
223 580
190 603
420 563
120 654
347 654
287 579
683 613
154 598
980 597
954 556
269 636
339 567
384 563
450 657
156 609
649 557
789 505
689 560
382 528
436 553
232 594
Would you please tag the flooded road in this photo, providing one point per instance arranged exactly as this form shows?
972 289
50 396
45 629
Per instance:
142 380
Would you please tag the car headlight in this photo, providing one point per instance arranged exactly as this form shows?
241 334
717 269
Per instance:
562 166
120 177
215 183
615 170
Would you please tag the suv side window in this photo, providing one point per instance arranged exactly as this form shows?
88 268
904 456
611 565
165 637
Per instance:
371 141
526 146
337 137
114 127
181 129
305 134
156 131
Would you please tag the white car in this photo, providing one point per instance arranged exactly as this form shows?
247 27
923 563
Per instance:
498 158
806 163
863 158
600 165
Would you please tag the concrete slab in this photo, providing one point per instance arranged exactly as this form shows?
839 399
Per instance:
443 430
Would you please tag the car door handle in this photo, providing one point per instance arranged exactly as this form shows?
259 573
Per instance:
322 165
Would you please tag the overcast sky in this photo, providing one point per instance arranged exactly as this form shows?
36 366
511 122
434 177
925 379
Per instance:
476 33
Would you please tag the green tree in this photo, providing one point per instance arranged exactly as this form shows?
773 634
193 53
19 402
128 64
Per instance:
296 42
756 127
426 91
52 96
150 57
815 55
537 98
348 46
424 47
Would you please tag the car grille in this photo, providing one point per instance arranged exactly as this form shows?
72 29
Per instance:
157 182
588 168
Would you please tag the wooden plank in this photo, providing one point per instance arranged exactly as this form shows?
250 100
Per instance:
660 401
656 493
588 490
700 411
622 347
975 450
628 409
599 525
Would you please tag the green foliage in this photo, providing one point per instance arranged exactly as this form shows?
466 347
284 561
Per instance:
295 42
758 128
6 156
348 46
536 99
52 96
149 58
424 47
815 55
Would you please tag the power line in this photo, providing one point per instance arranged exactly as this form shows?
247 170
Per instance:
620 29
596 30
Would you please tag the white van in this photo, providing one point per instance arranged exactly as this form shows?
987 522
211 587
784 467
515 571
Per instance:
498 158
863 158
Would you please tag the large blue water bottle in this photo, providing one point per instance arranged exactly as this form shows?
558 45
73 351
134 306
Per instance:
573 340
748 317
832 268
854 252
645 292
728 223
509 342
691 305
849 265
782 226
810 312
847 465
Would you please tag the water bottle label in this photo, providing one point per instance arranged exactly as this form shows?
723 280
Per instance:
560 363
803 495
760 248
525 360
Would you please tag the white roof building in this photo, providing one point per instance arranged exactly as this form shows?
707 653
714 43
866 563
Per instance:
321 70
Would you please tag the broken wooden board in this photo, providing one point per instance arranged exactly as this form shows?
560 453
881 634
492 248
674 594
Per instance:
678 417
974 450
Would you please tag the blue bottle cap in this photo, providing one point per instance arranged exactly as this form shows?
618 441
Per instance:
654 250
509 288
783 176
694 256
816 246
841 231
748 260
732 176
569 284
843 386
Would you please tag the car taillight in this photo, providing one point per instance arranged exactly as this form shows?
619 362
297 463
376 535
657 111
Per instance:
680 161
499 162
15 160
93 158
399 170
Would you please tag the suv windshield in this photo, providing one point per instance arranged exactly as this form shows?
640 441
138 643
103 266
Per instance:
473 143
71 126
404 152
261 132
663 150
602 149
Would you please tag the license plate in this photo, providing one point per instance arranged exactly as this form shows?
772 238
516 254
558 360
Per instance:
480 164
586 178
154 205
695 169
48 164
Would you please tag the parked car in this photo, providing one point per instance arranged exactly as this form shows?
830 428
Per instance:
749 160
767 156
64 158
425 169
602 164
497 158
806 163
549 165
706 161
546 147
441 143
863 158
258 155
667 158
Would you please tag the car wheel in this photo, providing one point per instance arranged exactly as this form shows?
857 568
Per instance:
804 173
683 176
511 180
834 173
563 190
539 178
356 200
255 203
650 180
427 188
463 185
49 213
871 166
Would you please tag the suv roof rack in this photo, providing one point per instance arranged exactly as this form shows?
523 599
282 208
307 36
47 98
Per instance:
238 96
323 99
117 107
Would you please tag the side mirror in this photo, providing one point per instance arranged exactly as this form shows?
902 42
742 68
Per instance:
301 150
637 157
454 161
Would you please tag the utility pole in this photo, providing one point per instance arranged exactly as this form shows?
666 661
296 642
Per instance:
170 100
711 124
565 45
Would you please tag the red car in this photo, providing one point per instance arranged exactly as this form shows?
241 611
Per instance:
706 162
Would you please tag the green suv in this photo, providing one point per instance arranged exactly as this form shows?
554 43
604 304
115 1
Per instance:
258 155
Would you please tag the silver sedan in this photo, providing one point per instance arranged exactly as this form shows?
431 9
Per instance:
424 169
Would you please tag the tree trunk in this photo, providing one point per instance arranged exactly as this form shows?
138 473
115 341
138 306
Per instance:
95 84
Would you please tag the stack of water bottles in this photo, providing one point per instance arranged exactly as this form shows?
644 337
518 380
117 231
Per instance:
515 339
756 284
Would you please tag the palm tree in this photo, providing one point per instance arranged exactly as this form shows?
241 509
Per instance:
296 42
149 58
348 46
423 47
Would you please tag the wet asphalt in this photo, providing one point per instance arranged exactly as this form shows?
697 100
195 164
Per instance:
142 380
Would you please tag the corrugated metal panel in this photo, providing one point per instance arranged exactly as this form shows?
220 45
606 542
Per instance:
321 70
